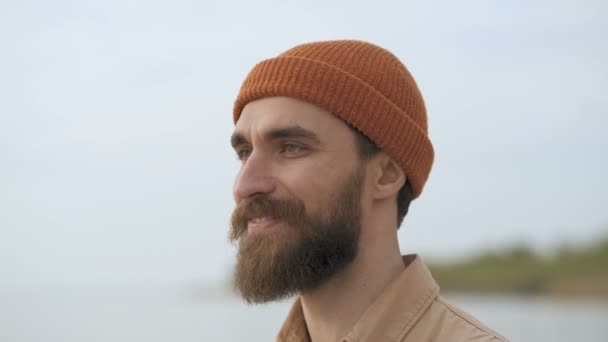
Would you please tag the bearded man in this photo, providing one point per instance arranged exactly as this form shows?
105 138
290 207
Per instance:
333 143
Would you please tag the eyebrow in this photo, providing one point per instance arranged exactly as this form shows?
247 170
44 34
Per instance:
279 133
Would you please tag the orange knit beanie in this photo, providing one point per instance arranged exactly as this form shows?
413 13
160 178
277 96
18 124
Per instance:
359 82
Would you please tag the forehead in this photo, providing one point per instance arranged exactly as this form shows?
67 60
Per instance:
264 115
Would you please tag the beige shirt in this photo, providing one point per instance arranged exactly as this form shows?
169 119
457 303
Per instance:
409 309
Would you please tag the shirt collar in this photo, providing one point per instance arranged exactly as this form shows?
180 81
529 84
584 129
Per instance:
389 317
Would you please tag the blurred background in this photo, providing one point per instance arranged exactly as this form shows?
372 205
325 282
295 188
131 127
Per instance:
116 171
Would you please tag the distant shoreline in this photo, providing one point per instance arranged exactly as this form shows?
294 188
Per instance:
569 272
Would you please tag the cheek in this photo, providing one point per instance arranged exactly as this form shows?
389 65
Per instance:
314 183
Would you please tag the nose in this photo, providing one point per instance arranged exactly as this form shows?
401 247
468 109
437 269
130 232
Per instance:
254 178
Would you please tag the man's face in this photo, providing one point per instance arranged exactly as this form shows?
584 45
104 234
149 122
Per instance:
298 194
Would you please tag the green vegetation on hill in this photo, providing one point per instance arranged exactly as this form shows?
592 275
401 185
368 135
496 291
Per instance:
581 271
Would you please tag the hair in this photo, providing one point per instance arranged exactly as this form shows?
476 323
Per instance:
367 149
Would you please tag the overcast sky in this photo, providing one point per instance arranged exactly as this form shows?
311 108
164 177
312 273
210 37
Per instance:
115 116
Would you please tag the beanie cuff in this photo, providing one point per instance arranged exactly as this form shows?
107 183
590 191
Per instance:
351 99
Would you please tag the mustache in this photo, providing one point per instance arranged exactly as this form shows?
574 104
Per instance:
290 210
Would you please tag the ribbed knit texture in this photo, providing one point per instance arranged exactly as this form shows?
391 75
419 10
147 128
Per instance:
361 83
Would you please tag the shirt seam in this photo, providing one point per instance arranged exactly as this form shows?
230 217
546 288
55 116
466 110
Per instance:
449 307
418 313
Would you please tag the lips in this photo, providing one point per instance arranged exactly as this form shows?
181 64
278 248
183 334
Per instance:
261 224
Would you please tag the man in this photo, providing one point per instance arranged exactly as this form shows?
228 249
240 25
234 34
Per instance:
332 139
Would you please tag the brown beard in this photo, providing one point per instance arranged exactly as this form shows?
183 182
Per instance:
306 250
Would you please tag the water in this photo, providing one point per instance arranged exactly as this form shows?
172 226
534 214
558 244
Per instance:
121 315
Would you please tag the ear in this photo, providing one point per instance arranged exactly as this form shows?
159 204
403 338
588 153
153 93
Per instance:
388 177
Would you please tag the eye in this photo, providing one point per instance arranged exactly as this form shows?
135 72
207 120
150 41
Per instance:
242 153
293 150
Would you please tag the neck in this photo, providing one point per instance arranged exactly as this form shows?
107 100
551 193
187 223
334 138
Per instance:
334 308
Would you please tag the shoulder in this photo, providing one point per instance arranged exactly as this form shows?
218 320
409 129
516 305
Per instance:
443 321
467 323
